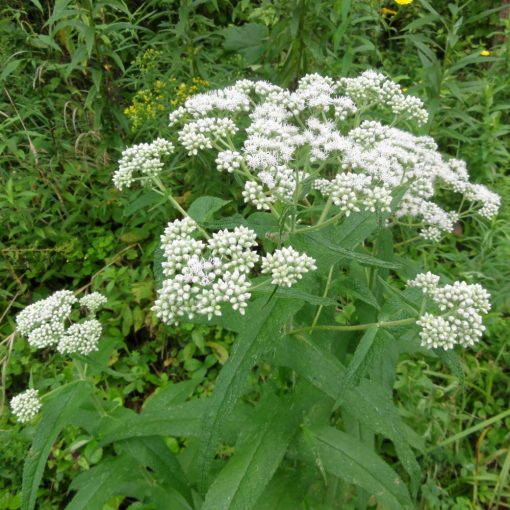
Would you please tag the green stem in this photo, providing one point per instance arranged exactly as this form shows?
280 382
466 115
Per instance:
356 327
174 202
321 225
326 290
325 211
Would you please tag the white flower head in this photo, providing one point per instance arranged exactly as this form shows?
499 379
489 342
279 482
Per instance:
93 301
144 160
80 338
458 320
287 266
26 405
48 323
43 322
201 277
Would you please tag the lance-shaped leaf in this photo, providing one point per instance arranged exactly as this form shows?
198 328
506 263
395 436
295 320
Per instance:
349 459
55 415
179 420
259 454
263 323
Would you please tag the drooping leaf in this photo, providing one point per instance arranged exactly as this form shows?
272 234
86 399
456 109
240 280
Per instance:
55 414
285 492
350 460
170 395
361 359
368 403
181 420
119 476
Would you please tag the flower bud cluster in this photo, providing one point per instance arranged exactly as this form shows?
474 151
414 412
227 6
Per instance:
200 134
46 323
203 276
144 159
458 319
287 266
228 161
26 405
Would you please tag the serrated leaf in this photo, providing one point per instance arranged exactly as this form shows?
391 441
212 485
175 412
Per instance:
258 455
294 293
262 322
369 403
452 360
284 492
324 244
347 458
152 452
55 414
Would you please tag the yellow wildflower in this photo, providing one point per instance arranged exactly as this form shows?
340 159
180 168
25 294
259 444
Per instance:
403 2
485 53
390 12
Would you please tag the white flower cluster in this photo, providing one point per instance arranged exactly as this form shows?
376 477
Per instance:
228 161
93 302
458 320
145 159
287 266
45 323
200 134
373 88
26 405
198 283
201 276
322 139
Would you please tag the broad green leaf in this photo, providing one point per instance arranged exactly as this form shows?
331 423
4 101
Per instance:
323 244
262 324
452 360
55 414
350 460
147 199
152 452
260 222
369 403
170 395
119 476
203 208
285 492
179 420
248 40
355 229
258 455
294 293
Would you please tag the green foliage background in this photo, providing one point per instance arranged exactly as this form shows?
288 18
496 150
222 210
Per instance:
80 80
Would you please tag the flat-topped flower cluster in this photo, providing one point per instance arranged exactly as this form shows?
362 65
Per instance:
337 138
47 323
458 316
56 322
201 276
